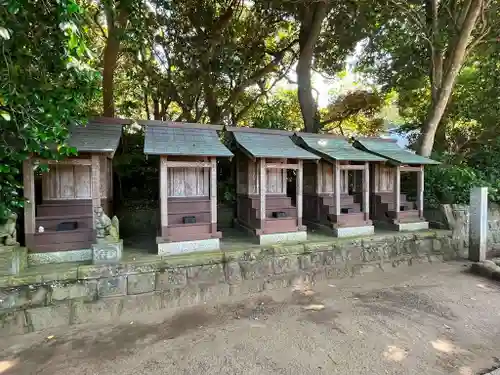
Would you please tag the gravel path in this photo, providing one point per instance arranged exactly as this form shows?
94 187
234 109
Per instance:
425 319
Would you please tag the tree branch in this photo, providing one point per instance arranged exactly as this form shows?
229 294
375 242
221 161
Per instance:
258 75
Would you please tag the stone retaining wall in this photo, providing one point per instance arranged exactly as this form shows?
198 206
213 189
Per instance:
66 295
455 217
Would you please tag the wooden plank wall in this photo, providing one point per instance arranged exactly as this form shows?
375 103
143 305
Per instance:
327 181
242 176
64 181
384 178
310 177
253 177
188 182
276 179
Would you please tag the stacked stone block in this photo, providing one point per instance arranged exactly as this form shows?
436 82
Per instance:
106 293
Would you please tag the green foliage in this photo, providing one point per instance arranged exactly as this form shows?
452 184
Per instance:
46 84
448 183
281 110
355 112
213 59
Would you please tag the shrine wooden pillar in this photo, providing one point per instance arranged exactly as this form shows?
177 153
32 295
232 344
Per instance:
420 191
262 191
163 195
397 190
336 184
213 193
29 202
299 185
95 185
366 191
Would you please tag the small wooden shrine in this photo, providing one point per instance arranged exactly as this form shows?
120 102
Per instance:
188 184
61 227
336 190
390 208
264 208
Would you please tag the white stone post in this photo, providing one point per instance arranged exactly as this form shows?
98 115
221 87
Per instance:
478 224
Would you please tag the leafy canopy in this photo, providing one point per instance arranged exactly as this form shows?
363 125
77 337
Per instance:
46 83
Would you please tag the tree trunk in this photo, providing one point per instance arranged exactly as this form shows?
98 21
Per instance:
146 104
310 29
111 51
436 50
156 109
108 72
457 55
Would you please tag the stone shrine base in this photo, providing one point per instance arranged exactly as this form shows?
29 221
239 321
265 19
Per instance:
282 238
54 257
403 227
107 252
56 295
13 259
354 231
184 247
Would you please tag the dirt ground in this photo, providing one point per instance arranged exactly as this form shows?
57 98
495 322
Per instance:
425 319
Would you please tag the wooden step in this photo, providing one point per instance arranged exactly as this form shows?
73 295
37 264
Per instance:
274 202
63 240
281 225
404 206
350 220
50 223
58 208
388 197
290 212
344 199
201 217
186 206
354 208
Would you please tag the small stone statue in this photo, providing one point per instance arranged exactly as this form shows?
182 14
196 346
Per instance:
106 229
114 230
8 232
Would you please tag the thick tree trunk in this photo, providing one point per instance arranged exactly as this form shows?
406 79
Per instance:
146 104
156 109
456 57
110 58
111 51
436 51
310 29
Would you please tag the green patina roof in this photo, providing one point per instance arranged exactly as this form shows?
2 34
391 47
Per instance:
335 148
389 149
95 137
269 144
179 140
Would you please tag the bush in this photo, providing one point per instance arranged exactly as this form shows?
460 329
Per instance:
452 184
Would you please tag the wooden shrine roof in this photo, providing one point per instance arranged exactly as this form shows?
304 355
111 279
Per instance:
183 139
96 136
262 143
334 147
389 149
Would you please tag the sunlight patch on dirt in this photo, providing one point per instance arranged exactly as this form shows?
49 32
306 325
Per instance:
445 346
314 307
395 354
6 365
465 370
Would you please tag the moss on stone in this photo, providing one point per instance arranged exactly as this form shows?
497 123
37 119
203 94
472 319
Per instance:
194 259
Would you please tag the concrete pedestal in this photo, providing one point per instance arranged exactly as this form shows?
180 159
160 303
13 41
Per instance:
478 224
277 238
185 247
402 227
354 231
107 252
